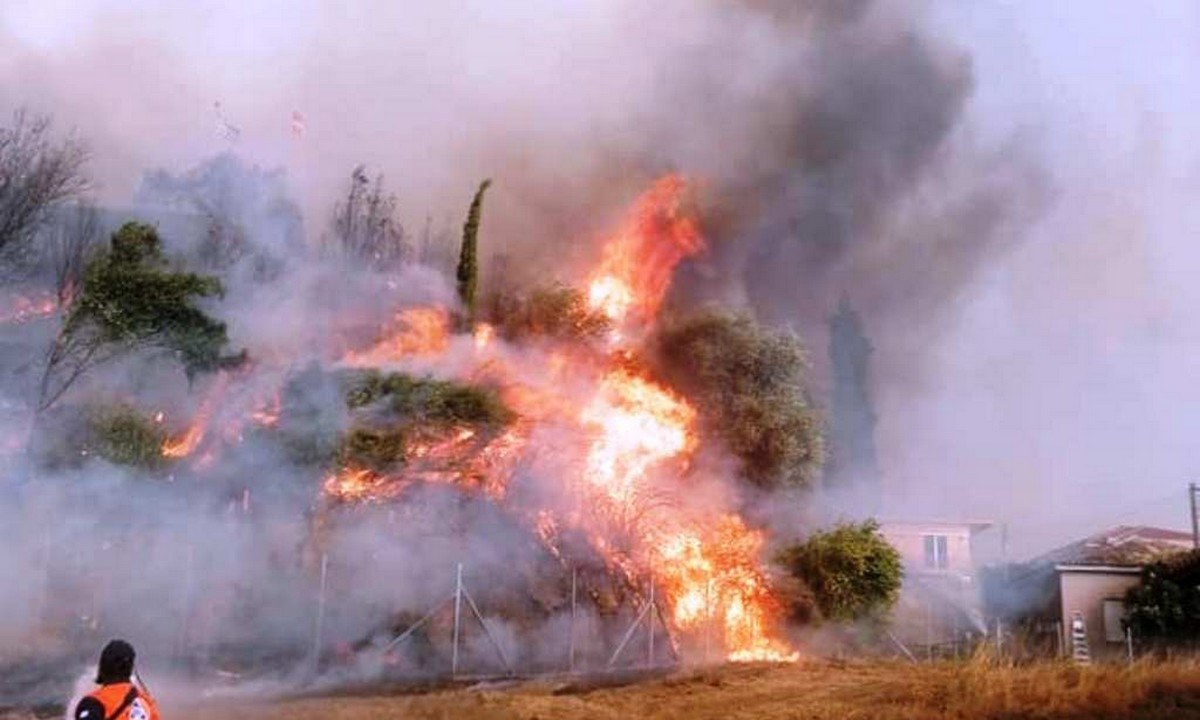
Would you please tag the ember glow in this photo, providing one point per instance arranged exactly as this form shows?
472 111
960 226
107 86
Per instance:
415 331
187 443
26 308
629 441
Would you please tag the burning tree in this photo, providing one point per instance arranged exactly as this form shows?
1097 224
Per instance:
131 300
558 311
748 383
626 488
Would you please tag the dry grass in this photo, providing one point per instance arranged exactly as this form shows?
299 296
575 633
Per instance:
977 690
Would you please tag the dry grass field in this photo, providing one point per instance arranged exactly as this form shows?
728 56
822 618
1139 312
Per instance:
977 690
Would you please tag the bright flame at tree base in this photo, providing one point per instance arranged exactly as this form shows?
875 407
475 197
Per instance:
630 442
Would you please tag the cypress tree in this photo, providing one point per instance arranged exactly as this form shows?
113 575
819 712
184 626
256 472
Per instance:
467 273
853 463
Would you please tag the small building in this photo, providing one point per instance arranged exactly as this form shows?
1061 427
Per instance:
1084 580
940 606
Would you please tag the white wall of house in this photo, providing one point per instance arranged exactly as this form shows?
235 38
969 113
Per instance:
939 601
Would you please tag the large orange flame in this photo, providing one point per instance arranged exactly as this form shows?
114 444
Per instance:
414 331
635 442
639 260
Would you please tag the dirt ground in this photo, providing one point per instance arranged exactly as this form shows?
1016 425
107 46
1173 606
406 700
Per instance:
815 690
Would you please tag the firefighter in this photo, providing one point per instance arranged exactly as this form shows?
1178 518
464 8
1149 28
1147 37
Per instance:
121 695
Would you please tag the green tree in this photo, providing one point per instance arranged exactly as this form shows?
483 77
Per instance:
748 383
1165 607
467 274
851 570
130 300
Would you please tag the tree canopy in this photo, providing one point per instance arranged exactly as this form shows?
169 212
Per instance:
853 461
37 173
1165 607
131 299
851 570
748 383
366 224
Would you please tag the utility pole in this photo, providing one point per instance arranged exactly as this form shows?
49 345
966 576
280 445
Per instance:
1193 489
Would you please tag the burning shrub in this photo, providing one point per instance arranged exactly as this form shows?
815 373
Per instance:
118 432
124 436
373 448
748 384
851 570
427 400
558 311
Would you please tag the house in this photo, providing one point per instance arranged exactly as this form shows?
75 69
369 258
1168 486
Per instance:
940 606
1083 581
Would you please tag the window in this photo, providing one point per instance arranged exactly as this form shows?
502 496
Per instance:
936 555
1114 614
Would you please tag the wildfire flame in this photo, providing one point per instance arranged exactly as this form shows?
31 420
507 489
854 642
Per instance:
639 260
267 415
414 331
22 308
187 443
636 441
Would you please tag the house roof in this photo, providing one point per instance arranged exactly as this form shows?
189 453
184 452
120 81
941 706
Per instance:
974 524
1123 546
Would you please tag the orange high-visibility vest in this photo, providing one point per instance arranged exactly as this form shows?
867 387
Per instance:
112 697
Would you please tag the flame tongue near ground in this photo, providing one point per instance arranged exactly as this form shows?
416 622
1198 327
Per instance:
632 442
187 443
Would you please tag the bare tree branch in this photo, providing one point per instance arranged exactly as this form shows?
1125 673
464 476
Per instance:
365 226
37 172
77 231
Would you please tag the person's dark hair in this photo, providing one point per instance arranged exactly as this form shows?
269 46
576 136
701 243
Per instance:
116 663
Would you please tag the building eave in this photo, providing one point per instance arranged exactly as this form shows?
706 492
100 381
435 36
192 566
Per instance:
1103 569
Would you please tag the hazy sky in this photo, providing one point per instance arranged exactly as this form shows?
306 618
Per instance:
1066 397
1063 396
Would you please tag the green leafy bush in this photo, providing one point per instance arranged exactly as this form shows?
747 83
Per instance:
426 400
852 571
124 436
748 384
1165 607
